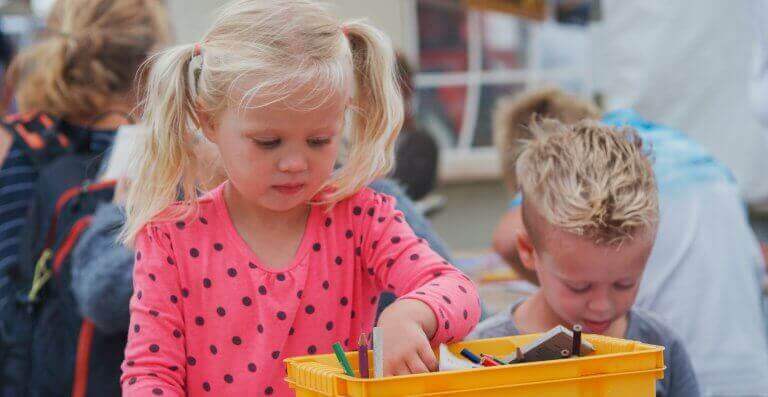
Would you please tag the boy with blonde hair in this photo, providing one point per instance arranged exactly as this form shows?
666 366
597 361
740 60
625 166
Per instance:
590 210
703 275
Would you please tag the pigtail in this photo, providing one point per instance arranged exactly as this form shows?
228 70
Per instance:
377 113
166 161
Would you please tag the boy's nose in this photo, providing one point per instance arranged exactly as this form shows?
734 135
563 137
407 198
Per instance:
599 302
292 164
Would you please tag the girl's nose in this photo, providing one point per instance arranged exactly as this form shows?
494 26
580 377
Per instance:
292 163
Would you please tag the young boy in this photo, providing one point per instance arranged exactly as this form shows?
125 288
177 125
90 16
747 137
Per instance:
590 211
704 275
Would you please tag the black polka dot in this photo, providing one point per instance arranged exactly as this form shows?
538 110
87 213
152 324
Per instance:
358 251
236 340
446 299
291 331
220 311
247 301
326 284
275 354
299 294
374 245
316 246
177 333
207 283
381 219
199 320
152 276
374 299
420 293
184 292
339 261
191 360
262 290
260 328
280 277
395 239
329 325
437 273
174 368
370 271
203 220
154 313
462 289
157 391
371 211
218 247
346 342
228 378
138 255
232 272
348 234
136 328
415 257
174 299
312 349
390 286
390 262
281 315
352 314
194 252
447 324
154 348
269 390
251 265
466 314
214 349
344 301
206 386
132 380
357 210
252 367
129 363
180 225
328 222
309 309
170 261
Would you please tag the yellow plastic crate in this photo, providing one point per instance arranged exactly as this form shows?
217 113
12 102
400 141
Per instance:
619 368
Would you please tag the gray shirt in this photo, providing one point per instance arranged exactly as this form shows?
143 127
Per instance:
679 378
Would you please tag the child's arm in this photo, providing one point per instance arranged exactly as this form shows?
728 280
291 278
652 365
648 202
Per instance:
155 358
432 293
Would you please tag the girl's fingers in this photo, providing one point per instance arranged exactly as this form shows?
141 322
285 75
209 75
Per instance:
415 365
401 369
428 357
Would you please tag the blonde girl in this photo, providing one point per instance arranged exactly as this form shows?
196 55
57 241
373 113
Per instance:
287 256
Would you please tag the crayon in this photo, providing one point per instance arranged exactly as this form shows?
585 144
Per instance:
362 355
470 356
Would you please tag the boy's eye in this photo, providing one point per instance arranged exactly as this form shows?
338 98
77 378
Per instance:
624 286
316 142
579 289
267 143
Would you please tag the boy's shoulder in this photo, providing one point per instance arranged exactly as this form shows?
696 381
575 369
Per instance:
649 327
499 325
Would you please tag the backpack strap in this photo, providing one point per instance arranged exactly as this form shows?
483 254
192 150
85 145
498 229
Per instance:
83 358
40 135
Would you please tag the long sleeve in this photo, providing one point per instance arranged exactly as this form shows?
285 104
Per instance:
155 354
102 272
405 264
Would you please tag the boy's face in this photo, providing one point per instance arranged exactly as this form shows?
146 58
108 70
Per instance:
585 283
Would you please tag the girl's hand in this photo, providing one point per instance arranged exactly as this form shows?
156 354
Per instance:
407 326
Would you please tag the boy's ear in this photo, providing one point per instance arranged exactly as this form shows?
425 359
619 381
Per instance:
526 250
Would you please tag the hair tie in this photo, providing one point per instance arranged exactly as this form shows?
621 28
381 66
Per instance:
345 30
198 49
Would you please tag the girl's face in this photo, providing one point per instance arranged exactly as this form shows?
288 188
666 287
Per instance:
277 157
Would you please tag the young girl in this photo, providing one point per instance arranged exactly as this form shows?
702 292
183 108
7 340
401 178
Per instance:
286 257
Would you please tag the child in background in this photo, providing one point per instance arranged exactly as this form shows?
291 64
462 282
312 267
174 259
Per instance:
590 210
287 256
703 277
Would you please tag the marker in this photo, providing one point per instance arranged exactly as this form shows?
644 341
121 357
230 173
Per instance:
470 356
378 353
490 357
343 359
488 362
362 356
576 340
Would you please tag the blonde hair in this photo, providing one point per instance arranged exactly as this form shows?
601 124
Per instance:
514 115
278 46
88 56
588 179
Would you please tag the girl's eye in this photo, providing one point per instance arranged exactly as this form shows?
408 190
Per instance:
624 286
579 289
267 143
317 142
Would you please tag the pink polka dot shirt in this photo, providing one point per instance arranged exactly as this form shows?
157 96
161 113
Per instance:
207 318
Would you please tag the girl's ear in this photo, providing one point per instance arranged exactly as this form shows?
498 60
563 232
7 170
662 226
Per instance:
526 250
206 122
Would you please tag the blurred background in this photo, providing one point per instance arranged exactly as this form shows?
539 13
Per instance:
672 61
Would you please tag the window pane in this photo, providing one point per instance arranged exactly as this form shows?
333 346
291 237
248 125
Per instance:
441 112
489 95
442 37
505 41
